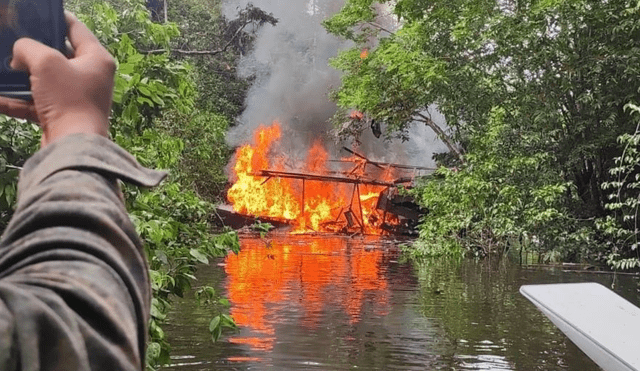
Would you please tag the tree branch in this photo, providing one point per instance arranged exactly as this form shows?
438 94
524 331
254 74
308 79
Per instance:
201 52
380 28
187 52
442 135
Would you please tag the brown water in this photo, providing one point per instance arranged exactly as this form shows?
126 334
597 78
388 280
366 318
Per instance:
337 303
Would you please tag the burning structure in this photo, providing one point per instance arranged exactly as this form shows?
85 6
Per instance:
350 195
289 67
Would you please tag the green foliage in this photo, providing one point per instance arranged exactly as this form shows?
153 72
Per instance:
18 140
173 224
624 200
146 83
391 84
353 13
154 119
262 228
201 28
559 72
223 41
207 296
205 153
500 196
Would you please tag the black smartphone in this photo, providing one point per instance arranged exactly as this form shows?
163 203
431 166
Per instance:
42 20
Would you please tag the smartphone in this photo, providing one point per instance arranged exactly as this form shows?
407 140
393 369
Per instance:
42 20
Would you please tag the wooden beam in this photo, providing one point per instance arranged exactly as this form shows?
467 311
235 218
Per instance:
388 164
384 164
322 178
361 156
360 207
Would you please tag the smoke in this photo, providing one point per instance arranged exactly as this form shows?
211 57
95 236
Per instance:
293 80
418 150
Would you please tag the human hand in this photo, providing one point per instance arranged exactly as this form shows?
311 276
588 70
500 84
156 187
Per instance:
69 95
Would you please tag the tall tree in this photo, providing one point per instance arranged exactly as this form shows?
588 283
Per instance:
561 72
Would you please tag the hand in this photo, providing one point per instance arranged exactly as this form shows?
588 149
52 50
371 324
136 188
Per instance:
69 95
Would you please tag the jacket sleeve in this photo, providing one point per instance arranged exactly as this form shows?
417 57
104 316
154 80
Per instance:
74 285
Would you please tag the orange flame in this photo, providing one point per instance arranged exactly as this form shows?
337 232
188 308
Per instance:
309 205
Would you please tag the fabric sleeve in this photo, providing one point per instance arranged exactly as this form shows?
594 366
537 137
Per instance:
74 285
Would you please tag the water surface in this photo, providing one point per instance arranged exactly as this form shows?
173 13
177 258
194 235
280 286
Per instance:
340 303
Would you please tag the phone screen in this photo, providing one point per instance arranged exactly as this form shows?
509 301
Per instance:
42 20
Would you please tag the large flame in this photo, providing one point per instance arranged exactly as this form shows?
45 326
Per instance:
309 205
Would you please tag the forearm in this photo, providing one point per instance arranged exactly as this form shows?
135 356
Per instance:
73 279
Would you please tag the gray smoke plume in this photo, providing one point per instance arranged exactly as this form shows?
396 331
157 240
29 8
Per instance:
293 79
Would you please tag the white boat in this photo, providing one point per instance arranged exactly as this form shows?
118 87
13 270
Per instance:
600 322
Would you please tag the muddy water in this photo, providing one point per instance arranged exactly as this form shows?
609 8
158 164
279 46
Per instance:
310 303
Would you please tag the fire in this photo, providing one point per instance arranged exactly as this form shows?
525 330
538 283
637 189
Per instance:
250 194
309 204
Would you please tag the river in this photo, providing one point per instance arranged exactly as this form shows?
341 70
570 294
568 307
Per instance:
338 303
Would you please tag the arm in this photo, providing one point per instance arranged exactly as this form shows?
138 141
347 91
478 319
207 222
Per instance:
74 290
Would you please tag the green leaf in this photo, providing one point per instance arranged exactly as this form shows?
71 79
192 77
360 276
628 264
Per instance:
199 256
214 324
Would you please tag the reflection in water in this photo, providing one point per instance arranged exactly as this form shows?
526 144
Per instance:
306 275
337 303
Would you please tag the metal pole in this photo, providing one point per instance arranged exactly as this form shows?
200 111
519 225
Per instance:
360 207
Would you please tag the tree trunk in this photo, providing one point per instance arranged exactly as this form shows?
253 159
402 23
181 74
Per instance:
166 17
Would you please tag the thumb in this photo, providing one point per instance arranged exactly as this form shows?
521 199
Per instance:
30 55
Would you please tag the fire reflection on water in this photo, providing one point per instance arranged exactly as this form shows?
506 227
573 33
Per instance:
307 302
308 275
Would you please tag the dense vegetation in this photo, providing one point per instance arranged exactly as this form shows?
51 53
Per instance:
538 97
171 111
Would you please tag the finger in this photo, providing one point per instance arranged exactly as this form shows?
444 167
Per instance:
18 108
69 51
29 55
82 39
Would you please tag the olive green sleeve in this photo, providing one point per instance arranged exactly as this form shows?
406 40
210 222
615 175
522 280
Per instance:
74 285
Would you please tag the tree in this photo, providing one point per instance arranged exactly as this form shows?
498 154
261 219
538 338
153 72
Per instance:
560 70
214 45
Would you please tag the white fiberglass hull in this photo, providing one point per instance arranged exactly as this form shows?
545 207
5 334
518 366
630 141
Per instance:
601 323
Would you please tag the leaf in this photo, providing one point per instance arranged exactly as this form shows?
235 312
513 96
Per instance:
227 321
153 350
214 324
144 90
161 256
155 310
